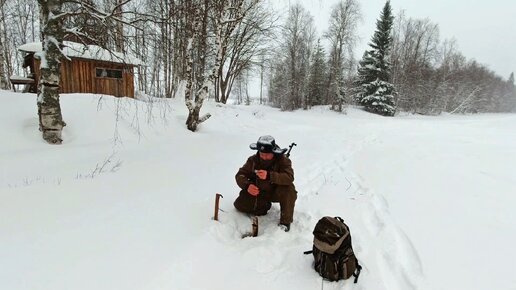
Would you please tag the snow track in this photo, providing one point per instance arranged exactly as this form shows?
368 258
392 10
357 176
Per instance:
383 248
388 256
394 257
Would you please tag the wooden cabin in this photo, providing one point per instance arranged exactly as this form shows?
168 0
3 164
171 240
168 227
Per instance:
87 69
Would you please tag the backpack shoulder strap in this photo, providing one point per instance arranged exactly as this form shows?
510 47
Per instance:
357 270
339 219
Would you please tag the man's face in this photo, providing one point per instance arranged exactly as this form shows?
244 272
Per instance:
266 156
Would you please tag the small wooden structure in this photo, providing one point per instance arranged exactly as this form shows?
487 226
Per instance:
29 83
85 69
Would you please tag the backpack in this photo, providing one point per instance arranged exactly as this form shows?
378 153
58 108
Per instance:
334 258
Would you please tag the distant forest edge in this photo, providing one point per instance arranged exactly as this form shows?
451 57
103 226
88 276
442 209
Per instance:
236 40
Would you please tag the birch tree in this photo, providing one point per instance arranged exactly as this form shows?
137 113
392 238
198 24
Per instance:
163 44
225 16
18 25
49 109
3 77
242 40
414 55
342 35
196 80
53 16
293 57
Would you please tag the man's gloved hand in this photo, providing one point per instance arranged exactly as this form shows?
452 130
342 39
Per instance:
262 174
253 190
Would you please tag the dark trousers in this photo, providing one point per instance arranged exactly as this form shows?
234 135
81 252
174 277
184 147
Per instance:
260 205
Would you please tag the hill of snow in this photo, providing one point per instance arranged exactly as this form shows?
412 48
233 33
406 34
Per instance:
126 202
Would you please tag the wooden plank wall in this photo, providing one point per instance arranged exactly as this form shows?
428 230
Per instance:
78 76
37 72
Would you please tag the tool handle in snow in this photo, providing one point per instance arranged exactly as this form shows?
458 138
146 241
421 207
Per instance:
216 215
255 226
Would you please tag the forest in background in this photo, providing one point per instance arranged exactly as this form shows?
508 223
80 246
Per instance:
244 39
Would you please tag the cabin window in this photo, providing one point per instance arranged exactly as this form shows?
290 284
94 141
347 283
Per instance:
108 73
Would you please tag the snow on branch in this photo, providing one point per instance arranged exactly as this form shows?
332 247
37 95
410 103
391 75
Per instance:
204 118
113 14
55 42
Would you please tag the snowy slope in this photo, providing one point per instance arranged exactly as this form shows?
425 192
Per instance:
126 202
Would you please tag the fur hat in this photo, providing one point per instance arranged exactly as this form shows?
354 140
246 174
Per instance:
267 144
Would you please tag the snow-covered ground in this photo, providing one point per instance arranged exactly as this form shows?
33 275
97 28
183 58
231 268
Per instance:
126 201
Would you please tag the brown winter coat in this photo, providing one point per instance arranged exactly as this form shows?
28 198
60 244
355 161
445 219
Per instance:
278 187
279 169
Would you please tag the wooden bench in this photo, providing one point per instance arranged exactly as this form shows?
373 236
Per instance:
19 80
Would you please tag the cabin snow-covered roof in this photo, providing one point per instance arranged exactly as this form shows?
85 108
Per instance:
79 50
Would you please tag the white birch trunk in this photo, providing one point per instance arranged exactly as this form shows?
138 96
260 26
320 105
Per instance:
3 78
49 110
194 99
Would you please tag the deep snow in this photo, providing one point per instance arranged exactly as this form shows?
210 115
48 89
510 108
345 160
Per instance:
126 201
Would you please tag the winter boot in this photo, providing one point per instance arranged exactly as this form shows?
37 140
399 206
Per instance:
285 227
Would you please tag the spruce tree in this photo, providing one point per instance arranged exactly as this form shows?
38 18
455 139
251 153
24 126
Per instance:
317 77
374 90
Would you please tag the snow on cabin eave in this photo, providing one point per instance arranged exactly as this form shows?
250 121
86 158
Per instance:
90 52
100 61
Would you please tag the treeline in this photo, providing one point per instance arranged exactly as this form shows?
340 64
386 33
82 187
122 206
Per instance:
239 39
156 32
430 75
303 74
433 76
19 24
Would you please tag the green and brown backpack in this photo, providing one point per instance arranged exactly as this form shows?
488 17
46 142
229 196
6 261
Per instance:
334 258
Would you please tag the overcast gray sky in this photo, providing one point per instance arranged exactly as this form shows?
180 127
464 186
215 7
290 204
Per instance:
485 30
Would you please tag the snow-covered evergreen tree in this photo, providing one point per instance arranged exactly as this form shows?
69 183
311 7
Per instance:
374 90
317 78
